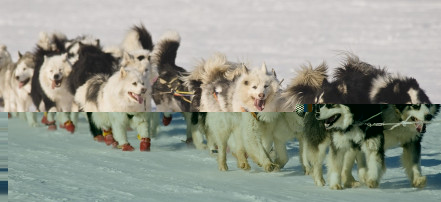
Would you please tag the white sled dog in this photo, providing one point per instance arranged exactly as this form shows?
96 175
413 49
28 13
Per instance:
6 66
211 81
256 91
124 91
52 77
253 135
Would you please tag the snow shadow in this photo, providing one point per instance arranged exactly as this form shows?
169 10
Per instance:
395 162
433 183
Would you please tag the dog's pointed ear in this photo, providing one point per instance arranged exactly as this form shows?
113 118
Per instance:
263 68
123 72
64 57
274 72
19 55
244 69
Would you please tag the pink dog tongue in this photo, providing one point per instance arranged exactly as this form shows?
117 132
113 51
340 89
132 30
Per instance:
20 85
139 98
419 127
259 104
53 84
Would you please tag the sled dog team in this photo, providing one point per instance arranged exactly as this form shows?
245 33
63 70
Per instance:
68 75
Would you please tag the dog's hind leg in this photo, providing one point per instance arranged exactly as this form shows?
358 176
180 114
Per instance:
411 163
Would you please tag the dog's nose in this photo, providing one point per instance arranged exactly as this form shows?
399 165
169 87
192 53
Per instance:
143 90
17 77
428 117
261 95
57 77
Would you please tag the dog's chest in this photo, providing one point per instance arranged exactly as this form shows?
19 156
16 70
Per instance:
399 135
346 140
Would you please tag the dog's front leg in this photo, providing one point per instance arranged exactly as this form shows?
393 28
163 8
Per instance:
411 162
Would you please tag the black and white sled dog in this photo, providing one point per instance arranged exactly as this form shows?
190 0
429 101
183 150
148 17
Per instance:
48 45
409 136
169 91
351 137
211 81
356 82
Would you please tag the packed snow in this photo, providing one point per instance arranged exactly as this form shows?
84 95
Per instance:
404 36
59 166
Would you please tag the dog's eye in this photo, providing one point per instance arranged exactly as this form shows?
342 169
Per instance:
141 57
245 83
134 83
24 69
265 86
51 71
255 87
142 83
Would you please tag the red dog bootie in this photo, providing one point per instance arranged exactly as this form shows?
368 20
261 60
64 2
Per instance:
44 119
99 138
51 126
166 120
126 147
69 126
145 144
108 137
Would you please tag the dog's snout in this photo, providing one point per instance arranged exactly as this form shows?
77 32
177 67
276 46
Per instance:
261 95
428 117
143 90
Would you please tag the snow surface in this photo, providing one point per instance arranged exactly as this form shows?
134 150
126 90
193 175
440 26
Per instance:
404 35
59 166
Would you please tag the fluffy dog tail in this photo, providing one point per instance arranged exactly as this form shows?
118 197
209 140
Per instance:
304 88
138 38
166 49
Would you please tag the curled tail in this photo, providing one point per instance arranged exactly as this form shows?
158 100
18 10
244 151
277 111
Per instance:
166 49
304 88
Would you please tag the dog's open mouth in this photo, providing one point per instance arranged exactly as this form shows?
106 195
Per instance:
331 120
23 83
137 97
56 83
419 125
259 104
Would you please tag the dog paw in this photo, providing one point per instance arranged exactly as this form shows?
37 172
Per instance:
223 167
271 167
320 182
419 182
352 184
336 187
372 183
244 166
